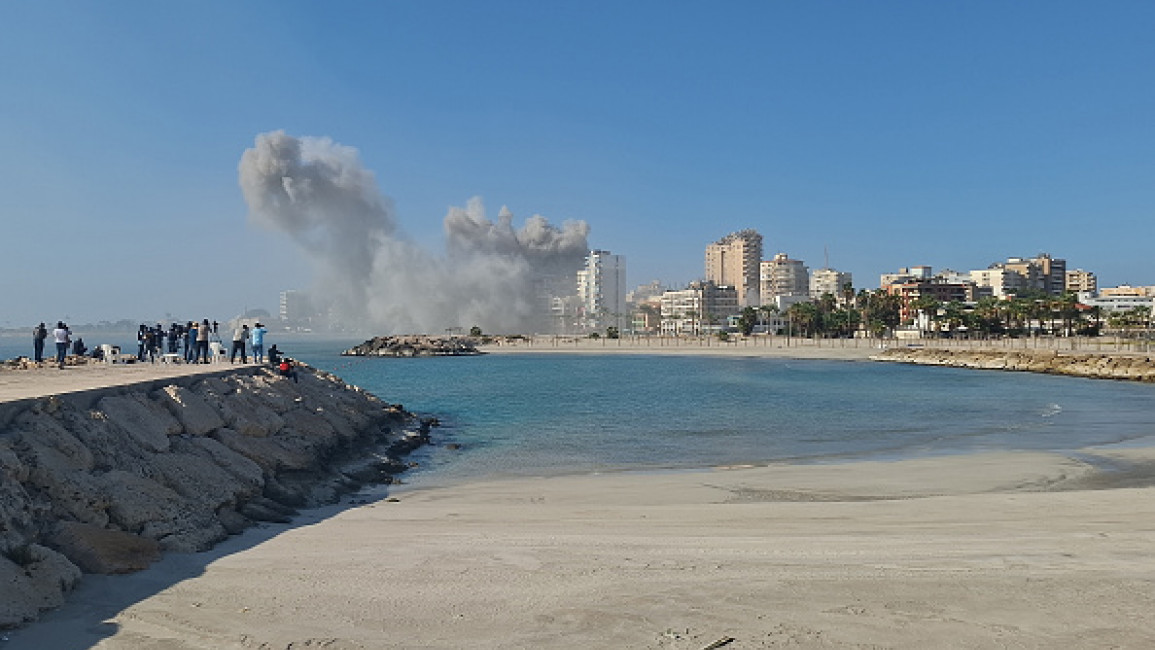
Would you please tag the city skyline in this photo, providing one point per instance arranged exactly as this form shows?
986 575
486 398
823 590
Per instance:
889 135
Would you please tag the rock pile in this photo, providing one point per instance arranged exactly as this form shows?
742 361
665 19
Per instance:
414 346
1097 366
103 481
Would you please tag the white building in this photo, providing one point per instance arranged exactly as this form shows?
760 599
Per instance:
1001 281
602 291
783 276
823 281
703 306
1117 303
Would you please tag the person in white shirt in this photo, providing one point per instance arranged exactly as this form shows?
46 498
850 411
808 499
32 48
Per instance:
240 335
62 337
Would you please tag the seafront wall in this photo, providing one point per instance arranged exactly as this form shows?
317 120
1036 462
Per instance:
103 481
1096 366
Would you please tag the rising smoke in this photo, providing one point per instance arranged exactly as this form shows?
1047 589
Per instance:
491 274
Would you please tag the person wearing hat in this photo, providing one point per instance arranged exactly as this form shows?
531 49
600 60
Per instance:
257 334
240 340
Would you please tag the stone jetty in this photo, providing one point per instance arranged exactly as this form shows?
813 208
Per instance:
104 480
1096 366
415 346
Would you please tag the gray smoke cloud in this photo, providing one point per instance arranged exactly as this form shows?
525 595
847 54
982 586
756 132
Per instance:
492 274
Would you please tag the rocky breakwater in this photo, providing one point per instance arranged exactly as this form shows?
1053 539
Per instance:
415 346
103 481
1096 366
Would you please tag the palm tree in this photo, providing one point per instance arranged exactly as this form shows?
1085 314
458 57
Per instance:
805 315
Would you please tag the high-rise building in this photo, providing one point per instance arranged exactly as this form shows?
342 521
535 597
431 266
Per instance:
782 276
602 290
295 307
733 261
823 281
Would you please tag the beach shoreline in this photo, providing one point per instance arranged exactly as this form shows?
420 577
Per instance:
1011 548
1022 549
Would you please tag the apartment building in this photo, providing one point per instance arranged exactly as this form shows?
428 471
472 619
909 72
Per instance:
823 281
601 287
1041 272
999 281
910 292
733 261
1080 281
782 276
703 306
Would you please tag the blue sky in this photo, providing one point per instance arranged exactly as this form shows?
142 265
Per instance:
889 134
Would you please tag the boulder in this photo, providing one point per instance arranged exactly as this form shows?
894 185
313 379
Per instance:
195 414
100 550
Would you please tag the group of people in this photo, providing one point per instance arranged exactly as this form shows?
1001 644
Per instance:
62 336
192 337
193 340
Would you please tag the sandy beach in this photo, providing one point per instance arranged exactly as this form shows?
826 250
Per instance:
1023 550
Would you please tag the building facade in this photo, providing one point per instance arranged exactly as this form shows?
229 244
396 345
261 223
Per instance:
782 276
1000 281
602 291
701 307
733 261
823 281
1042 272
1080 281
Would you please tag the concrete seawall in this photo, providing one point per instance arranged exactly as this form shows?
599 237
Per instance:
1095 366
104 480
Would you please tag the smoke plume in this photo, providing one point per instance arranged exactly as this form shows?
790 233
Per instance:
491 275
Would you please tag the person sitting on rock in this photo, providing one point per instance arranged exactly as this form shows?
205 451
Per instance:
287 369
274 356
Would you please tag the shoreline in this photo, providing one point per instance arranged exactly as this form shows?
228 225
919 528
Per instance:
1024 549
948 551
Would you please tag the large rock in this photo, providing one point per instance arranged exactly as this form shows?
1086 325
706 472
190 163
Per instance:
99 550
194 413
33 578
147 422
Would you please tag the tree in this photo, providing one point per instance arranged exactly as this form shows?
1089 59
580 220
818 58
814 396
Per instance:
805 316
747 320
928 306
475 331
612 332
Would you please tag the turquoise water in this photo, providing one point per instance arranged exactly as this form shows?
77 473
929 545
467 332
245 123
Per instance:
546 415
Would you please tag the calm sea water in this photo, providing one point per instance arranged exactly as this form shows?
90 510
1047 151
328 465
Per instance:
546 415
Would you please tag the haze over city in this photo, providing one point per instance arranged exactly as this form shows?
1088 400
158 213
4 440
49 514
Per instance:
883 135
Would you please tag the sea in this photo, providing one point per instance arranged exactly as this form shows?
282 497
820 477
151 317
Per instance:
513 415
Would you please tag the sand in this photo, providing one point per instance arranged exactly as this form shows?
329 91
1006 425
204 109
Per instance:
1022 550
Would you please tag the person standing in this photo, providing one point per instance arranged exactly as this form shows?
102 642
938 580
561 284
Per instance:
62 337
190 342
38 335
140 341
202 342
240 334
258 336
150 344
